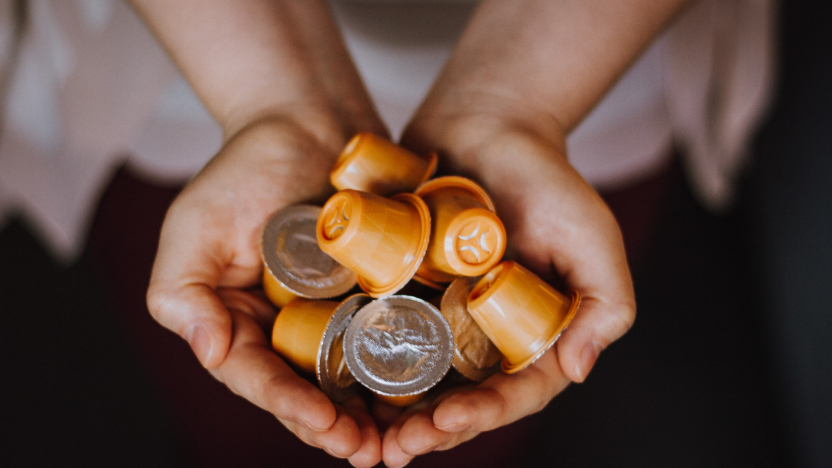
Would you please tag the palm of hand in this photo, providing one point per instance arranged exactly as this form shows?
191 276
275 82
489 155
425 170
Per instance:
209 257
557 225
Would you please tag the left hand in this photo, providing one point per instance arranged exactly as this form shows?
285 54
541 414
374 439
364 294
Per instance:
556 225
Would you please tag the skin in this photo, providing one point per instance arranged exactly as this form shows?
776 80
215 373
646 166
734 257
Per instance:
499 114
277 77
288 98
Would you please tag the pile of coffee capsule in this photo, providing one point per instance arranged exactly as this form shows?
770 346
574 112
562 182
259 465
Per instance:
386 225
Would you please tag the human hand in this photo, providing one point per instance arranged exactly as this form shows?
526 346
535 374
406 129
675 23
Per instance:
558 226
209 261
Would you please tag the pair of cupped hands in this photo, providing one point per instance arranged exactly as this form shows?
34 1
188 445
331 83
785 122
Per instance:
205 280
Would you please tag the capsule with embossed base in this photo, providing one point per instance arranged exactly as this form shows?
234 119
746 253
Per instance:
521 314
475 356
383 240
294 265
309 334
467 238
371 163
399 347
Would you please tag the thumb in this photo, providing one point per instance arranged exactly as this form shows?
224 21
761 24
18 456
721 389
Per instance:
196 313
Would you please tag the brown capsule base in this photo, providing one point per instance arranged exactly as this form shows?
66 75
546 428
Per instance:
475 356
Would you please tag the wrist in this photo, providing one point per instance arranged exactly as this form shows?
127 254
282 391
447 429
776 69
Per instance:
465 126
331 125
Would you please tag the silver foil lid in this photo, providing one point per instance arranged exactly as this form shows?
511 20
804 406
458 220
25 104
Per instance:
291 254
475 356
398 346
334 376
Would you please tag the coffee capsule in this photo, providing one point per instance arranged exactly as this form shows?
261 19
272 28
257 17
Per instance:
294 265
382 240
398 347
521 314
371 163
467 238
475 356
309 334
402 401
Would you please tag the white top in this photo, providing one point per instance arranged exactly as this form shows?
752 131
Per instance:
92 88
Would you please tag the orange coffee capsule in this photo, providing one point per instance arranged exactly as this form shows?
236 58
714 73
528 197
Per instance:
521 314
371 163
401 401
467 238
382 240
310 333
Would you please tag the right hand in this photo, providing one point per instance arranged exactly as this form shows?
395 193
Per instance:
209 260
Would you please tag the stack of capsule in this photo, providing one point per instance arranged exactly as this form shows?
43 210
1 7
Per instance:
389 224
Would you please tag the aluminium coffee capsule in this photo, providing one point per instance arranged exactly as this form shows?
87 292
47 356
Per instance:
294 265
309 334
398 347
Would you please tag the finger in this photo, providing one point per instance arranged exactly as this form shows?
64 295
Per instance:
255 305
181 295
385 414
607 310
255 372
588 251
391 453
196 313
502 399
418 434
369 452
341 440
596 326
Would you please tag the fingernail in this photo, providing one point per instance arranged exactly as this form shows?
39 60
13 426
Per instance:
424 450
455 427
327 450
587 359
310 426
200 343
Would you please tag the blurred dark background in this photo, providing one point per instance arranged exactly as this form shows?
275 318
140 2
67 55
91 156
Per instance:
727 364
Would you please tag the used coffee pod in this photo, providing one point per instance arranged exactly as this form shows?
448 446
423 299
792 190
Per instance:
521 314
383 240
371 163
294 265
398 347
475 356
467 238
309 334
